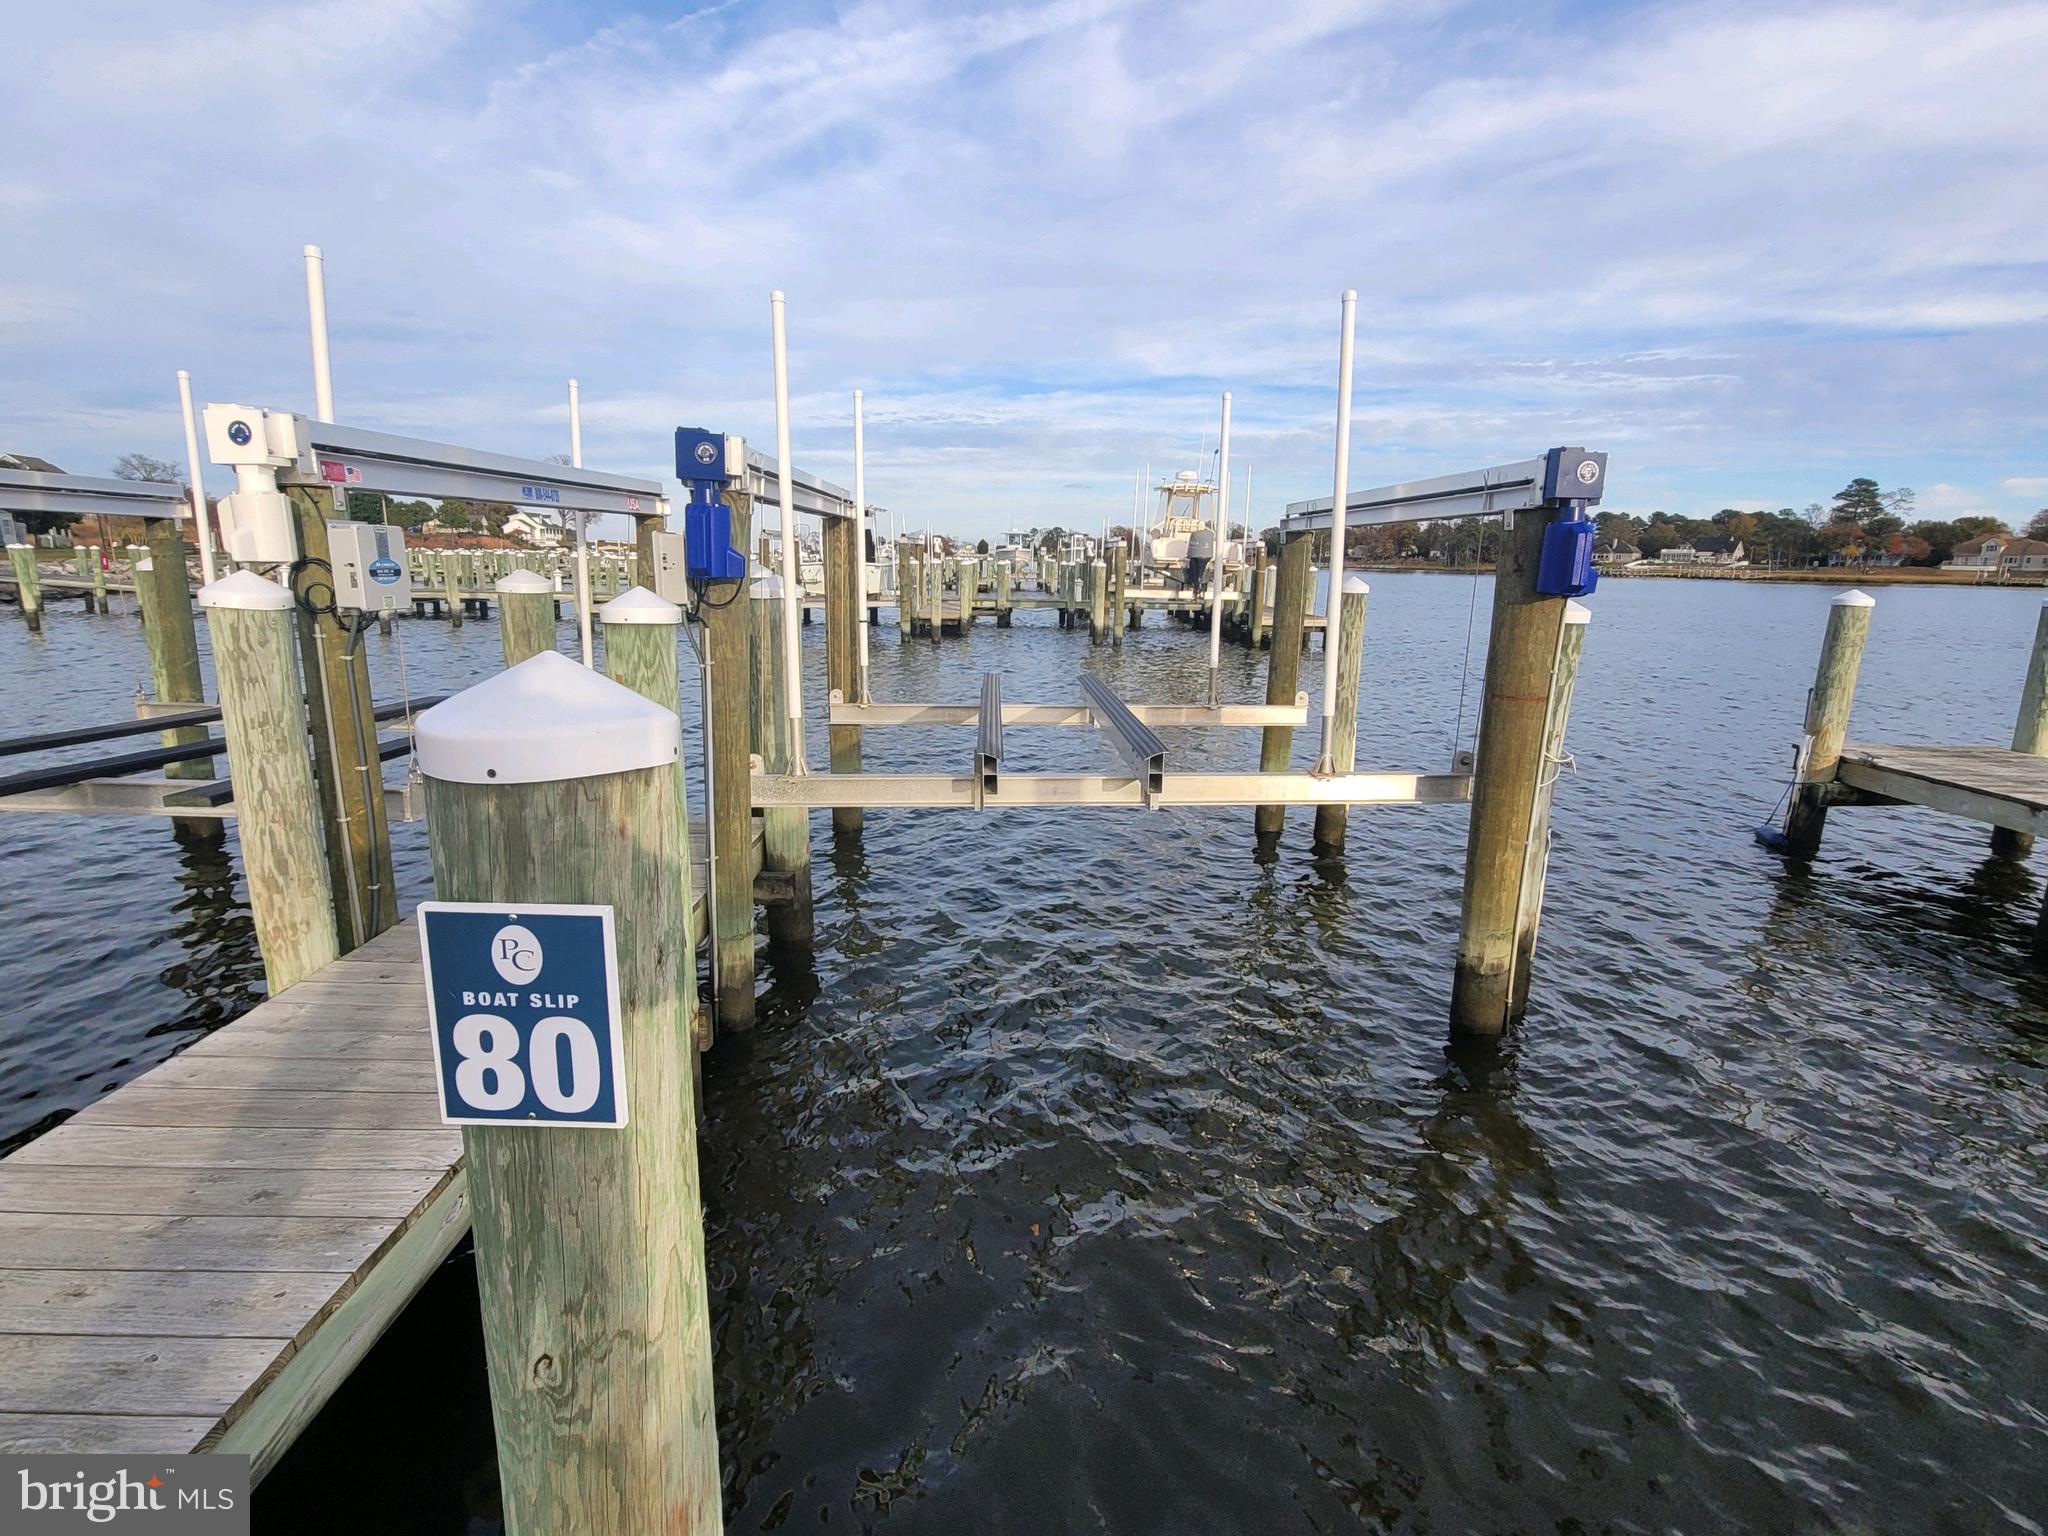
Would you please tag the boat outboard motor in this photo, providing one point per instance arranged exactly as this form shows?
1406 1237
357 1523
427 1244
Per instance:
1201 552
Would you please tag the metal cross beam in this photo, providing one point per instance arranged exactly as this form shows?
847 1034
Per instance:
356 459
1562 474
1135 742
943 791
808 494
1155 715
27 490
988 742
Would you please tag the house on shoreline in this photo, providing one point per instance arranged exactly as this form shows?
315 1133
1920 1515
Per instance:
1717 549
2003 553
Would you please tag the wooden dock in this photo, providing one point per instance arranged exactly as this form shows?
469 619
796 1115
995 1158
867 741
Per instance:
1994 785
199 1259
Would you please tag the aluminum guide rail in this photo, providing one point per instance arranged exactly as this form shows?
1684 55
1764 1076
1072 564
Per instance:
28 490
809 494
356 459
988 742
1505 488
1142 751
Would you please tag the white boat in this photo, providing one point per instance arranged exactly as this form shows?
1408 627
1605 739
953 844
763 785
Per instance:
1180 545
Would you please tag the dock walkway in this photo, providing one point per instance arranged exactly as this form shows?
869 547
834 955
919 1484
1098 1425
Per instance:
199 1259
1989 784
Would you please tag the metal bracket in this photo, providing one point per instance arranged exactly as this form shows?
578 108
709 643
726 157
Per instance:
1142 751
988 740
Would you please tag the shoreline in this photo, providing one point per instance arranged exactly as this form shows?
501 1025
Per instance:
1875 576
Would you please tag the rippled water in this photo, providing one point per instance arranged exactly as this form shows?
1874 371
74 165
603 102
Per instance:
1093 1174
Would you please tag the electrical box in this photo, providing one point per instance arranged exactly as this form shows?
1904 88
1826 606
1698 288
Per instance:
1572 474
671 568
1564 567
248 434
256 520
370 572
707 462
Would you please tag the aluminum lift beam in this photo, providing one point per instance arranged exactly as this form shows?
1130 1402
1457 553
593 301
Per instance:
942 791
1135 742
27 490
808 493
1157 715
356 459
1560 474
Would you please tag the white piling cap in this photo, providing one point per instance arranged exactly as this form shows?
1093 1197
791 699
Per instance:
525 581
145 564
1355 584
637 605
767 584
546 720
245 589
1577 613
1855 600
21 546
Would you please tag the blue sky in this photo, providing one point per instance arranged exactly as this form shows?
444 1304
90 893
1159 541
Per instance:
1751 250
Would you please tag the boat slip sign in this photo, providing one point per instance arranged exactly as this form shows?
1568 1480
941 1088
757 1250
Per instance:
523 1002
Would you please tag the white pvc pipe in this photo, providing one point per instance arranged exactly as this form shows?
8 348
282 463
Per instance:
1216 563
1340 488
792 600
316 308
199 519
582 527
860 542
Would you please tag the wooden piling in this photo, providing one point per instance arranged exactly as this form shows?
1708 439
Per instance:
526 615
99 577
1536 872
1004 576
785 830
640 637
1283 668
589 1242
906 593
1098 602
934 598
844 573
729 682
346 766
164 591
451 586
1521 668
1348 657
1262 581
28 584
249 621
2029 731
1827 720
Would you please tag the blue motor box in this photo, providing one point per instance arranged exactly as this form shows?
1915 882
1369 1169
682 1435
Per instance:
1565 567
701 464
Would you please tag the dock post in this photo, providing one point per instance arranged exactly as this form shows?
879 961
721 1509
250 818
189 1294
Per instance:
164 591
451 586
1525 641
1118 571
526 615
729 684
1537 869
1283 669
346 766
640 651
589 1241
1003 578
934 598
249 620
845 571
1827 720
2029 732
99 578
1098 602
1262 581
28 584
906 592
785 830
1348 657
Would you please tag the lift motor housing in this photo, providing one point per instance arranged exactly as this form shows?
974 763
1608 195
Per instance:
1565 567
705 462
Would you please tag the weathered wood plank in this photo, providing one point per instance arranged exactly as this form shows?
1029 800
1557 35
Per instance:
281 1037
200 1304
216 1191
88 1434
142 1104
334 1245
411 1072
67 1373
128 1146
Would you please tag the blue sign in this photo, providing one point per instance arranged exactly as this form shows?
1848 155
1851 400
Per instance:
524 1007
385 570
540 493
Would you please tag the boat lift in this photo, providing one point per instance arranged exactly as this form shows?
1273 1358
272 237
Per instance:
27 490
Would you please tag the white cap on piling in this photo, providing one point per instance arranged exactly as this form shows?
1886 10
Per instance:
546 720
525 581
1855 600
637 605
767 584
1577 613
144 564
245 589
21 546
1355 583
